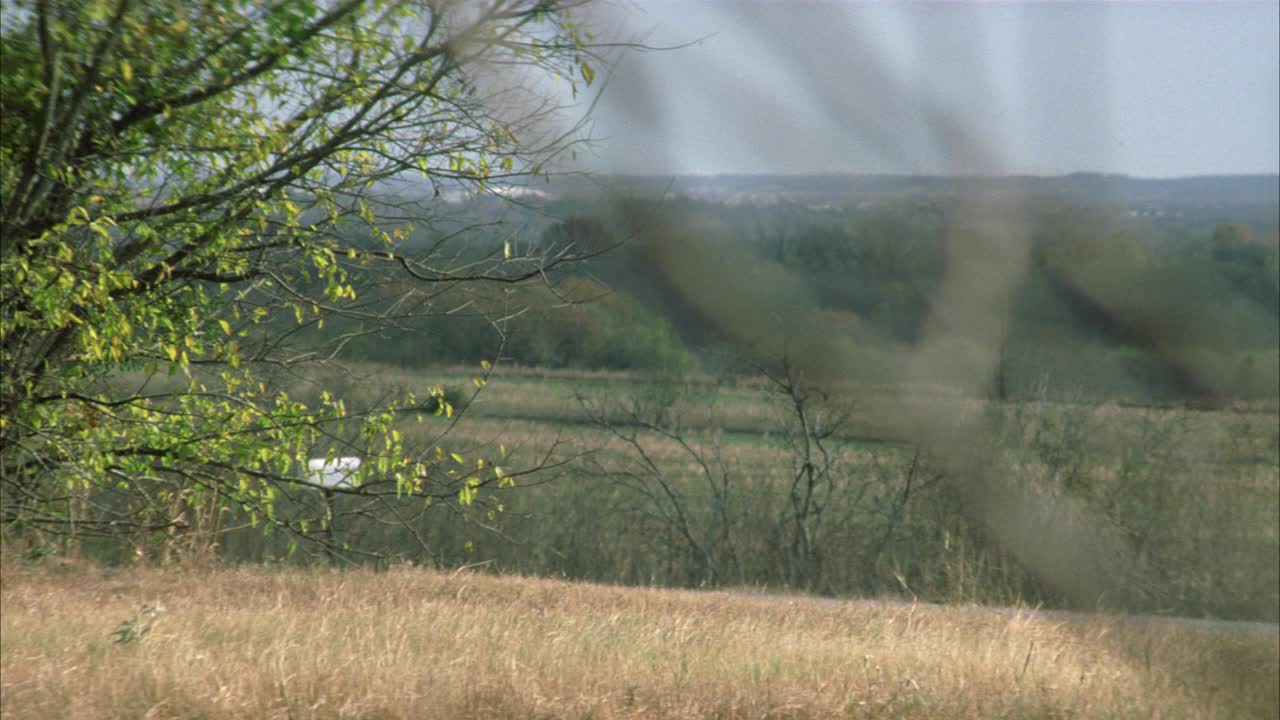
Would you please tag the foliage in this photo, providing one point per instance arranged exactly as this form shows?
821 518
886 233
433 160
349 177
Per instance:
136 627
573 323
189 193
1121 307
1117 306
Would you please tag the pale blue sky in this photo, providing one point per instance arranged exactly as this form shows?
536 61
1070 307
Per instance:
1150 89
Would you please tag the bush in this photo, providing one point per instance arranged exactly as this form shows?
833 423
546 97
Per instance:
452 396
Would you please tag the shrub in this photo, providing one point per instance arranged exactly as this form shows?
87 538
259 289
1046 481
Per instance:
452 396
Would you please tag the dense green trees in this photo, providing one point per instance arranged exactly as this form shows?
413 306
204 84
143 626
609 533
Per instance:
574 323
189 193
1111 306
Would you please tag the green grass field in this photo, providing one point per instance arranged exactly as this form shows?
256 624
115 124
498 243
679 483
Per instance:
702 496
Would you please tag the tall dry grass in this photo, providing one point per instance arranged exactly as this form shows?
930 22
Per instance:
411 643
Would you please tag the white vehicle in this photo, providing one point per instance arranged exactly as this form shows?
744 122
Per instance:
333 473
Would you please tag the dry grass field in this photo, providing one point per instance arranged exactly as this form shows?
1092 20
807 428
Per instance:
413 643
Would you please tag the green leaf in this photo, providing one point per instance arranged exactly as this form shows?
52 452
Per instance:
219 210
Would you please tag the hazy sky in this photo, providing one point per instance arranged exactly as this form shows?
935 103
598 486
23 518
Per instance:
1146 89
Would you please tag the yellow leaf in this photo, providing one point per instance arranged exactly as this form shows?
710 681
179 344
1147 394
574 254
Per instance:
126 71
226 326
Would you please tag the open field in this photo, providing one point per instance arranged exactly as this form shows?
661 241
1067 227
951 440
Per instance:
1194 494
412 643
748 405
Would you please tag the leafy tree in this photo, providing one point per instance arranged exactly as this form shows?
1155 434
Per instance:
191 189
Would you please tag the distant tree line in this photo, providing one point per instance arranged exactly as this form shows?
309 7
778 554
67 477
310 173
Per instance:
1156 294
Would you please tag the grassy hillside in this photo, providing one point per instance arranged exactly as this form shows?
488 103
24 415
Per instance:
411 643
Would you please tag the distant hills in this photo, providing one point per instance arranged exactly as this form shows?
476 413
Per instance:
1209 191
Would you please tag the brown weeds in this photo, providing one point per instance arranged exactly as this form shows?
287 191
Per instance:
411 643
